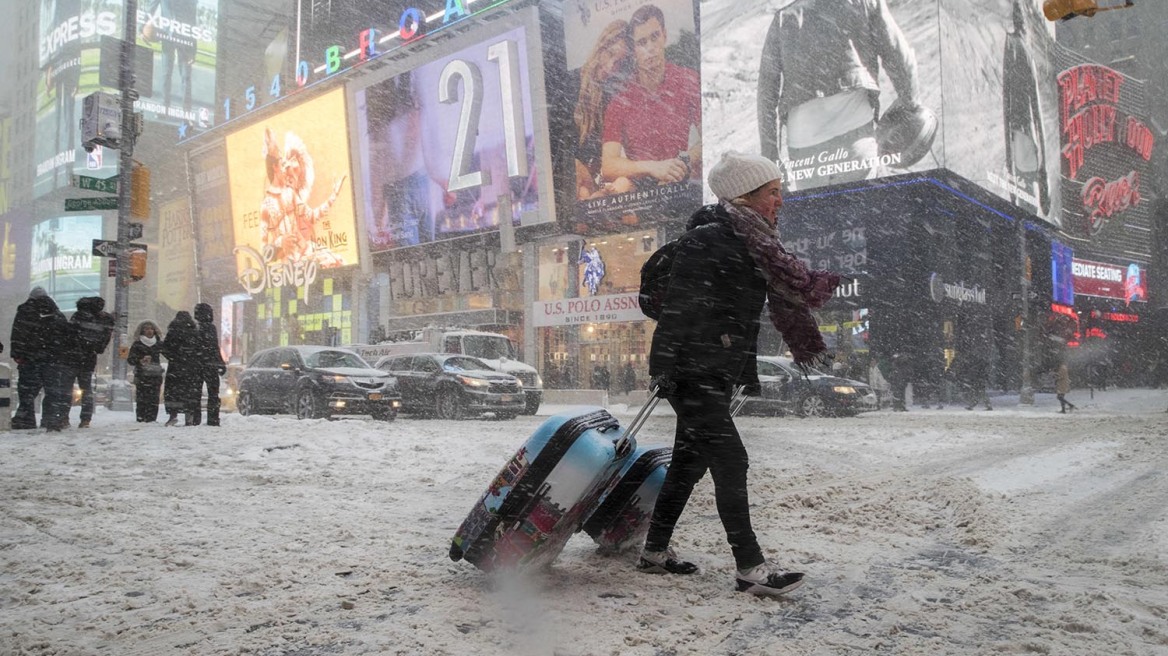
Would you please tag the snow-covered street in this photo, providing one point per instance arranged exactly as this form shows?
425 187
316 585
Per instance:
929 532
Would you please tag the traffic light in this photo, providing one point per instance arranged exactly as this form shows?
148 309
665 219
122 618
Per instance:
140 192
1068 9
137 264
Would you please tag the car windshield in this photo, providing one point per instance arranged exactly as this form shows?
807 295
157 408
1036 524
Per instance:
488 347
334 360
463 363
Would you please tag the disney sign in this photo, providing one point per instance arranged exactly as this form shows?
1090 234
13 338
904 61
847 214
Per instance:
269 273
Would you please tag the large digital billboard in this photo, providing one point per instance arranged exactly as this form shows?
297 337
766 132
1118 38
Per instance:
441 145
1105 159
62 258
69 35
861 89
182 36
634 95
291 195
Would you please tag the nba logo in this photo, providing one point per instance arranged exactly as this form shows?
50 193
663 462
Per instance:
93 160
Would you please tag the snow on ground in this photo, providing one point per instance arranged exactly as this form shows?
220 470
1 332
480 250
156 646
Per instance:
1017 531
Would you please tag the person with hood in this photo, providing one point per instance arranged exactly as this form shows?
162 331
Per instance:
146 358
726 267
210 363
29 352
181 348
94 328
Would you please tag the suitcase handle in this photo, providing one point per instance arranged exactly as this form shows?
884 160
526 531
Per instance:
624 444
737 400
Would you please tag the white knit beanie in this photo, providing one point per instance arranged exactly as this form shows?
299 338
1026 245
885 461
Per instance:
737 174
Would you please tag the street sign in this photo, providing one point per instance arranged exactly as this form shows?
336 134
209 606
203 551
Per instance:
105 185
113 268
91 204
135 231
109 247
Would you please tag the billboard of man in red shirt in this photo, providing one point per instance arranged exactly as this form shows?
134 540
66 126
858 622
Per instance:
652 129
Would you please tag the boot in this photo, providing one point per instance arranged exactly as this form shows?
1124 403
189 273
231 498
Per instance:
190 419
173 420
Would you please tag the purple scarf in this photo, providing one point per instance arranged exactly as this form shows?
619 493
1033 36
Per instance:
793 290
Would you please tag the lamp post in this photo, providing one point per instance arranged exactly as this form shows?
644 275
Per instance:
119 390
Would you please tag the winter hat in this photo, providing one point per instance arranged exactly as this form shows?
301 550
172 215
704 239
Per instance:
204 313
737 174
38 292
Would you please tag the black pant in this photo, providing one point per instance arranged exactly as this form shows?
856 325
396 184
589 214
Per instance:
85 384
210 378
146 395
58 379
29 384
706 439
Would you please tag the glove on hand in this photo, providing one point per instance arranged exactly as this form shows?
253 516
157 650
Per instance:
663 385
823 285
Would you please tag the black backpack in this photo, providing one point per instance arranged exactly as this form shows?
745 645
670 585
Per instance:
655 275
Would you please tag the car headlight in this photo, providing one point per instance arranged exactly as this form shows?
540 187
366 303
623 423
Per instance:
538 382
472 382
337 379
843 389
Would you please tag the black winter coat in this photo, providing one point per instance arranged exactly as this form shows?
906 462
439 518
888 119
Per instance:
210 356
708 330
94 328
138 351
41 333
183 369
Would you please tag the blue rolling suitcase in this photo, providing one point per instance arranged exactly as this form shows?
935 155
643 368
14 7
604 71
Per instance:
621 520
544 492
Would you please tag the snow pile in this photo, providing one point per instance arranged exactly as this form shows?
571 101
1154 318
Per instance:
921 533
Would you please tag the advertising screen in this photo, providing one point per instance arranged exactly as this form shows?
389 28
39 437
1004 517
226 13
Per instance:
861 89
1062 274
442 144
636 110
212 208
1124 282
62 258
176 239
182 38
69 35
1106 149
291 197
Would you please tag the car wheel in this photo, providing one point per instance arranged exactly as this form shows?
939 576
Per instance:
532 405
307 406
813 405
245 405
449 404
384 414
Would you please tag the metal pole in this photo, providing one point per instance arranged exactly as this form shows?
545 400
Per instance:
1026 394
120 391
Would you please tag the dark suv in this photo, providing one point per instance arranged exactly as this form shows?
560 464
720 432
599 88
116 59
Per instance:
452 386
316 381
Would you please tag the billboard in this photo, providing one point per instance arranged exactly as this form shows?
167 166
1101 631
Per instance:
635 98
291 200
441 145
1105 159
62 258
176 239
69 38
182 36
1124 282
839 92
212 208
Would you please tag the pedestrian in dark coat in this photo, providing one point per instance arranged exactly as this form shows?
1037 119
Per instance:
211 365
42 344
181 348
725 267
94 328
146 358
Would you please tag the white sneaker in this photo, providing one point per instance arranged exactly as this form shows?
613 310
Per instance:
664 562
768 579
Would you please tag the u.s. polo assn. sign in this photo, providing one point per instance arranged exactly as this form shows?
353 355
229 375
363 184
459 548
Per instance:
592 309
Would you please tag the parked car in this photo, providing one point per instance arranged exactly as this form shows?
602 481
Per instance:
315 381
452 386
785 390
